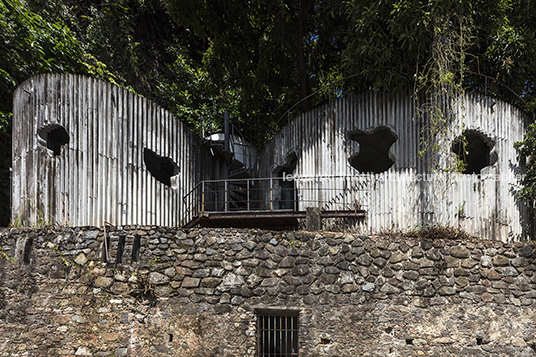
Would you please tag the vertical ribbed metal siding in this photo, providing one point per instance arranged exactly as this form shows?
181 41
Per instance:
100 175
395 199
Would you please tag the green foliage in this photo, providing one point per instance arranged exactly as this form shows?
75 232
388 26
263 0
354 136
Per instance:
3 253
387 42
264 56
62 256
189 93
527 154
30 45
439 84
504 46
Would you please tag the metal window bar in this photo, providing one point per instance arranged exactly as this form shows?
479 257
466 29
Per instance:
277 335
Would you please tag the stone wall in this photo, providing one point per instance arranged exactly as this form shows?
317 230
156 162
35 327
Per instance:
194 293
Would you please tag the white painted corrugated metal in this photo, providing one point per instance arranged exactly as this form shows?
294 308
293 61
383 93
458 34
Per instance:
402 198
100 174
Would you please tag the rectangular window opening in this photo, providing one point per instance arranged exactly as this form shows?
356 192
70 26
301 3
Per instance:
277 333
120 250
136 248
27 249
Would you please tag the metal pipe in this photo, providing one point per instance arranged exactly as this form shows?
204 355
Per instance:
203 196
226 196
271 195
247 194
226 130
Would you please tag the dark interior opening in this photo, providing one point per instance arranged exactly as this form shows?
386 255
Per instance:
120 250
374 154
409 341
288 185
54 137
475 154
27 249
161 168
136 248
277 333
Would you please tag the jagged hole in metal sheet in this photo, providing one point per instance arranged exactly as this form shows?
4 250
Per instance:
475 154
53 136
374 154
161 168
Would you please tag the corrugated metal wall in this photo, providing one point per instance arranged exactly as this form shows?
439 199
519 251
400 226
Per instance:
100 175
400 199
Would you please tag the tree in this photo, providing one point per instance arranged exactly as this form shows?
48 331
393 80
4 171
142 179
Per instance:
389 43
267 55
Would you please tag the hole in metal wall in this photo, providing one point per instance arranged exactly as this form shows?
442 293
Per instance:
136 248
409 341
374 154
161 168
53 137
476 153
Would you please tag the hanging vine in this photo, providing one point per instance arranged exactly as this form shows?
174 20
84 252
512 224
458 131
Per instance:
439 89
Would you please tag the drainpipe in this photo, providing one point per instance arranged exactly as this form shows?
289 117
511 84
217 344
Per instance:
10 194
227 130
226 148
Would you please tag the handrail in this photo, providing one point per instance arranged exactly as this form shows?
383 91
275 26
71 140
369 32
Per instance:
294 178
272 193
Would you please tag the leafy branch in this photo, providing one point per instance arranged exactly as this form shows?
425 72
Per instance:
439 86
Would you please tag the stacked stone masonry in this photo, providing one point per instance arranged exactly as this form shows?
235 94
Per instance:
194 293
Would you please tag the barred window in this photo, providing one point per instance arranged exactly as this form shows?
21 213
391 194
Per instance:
277 333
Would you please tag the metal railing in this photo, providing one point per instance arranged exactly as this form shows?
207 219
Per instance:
335 193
